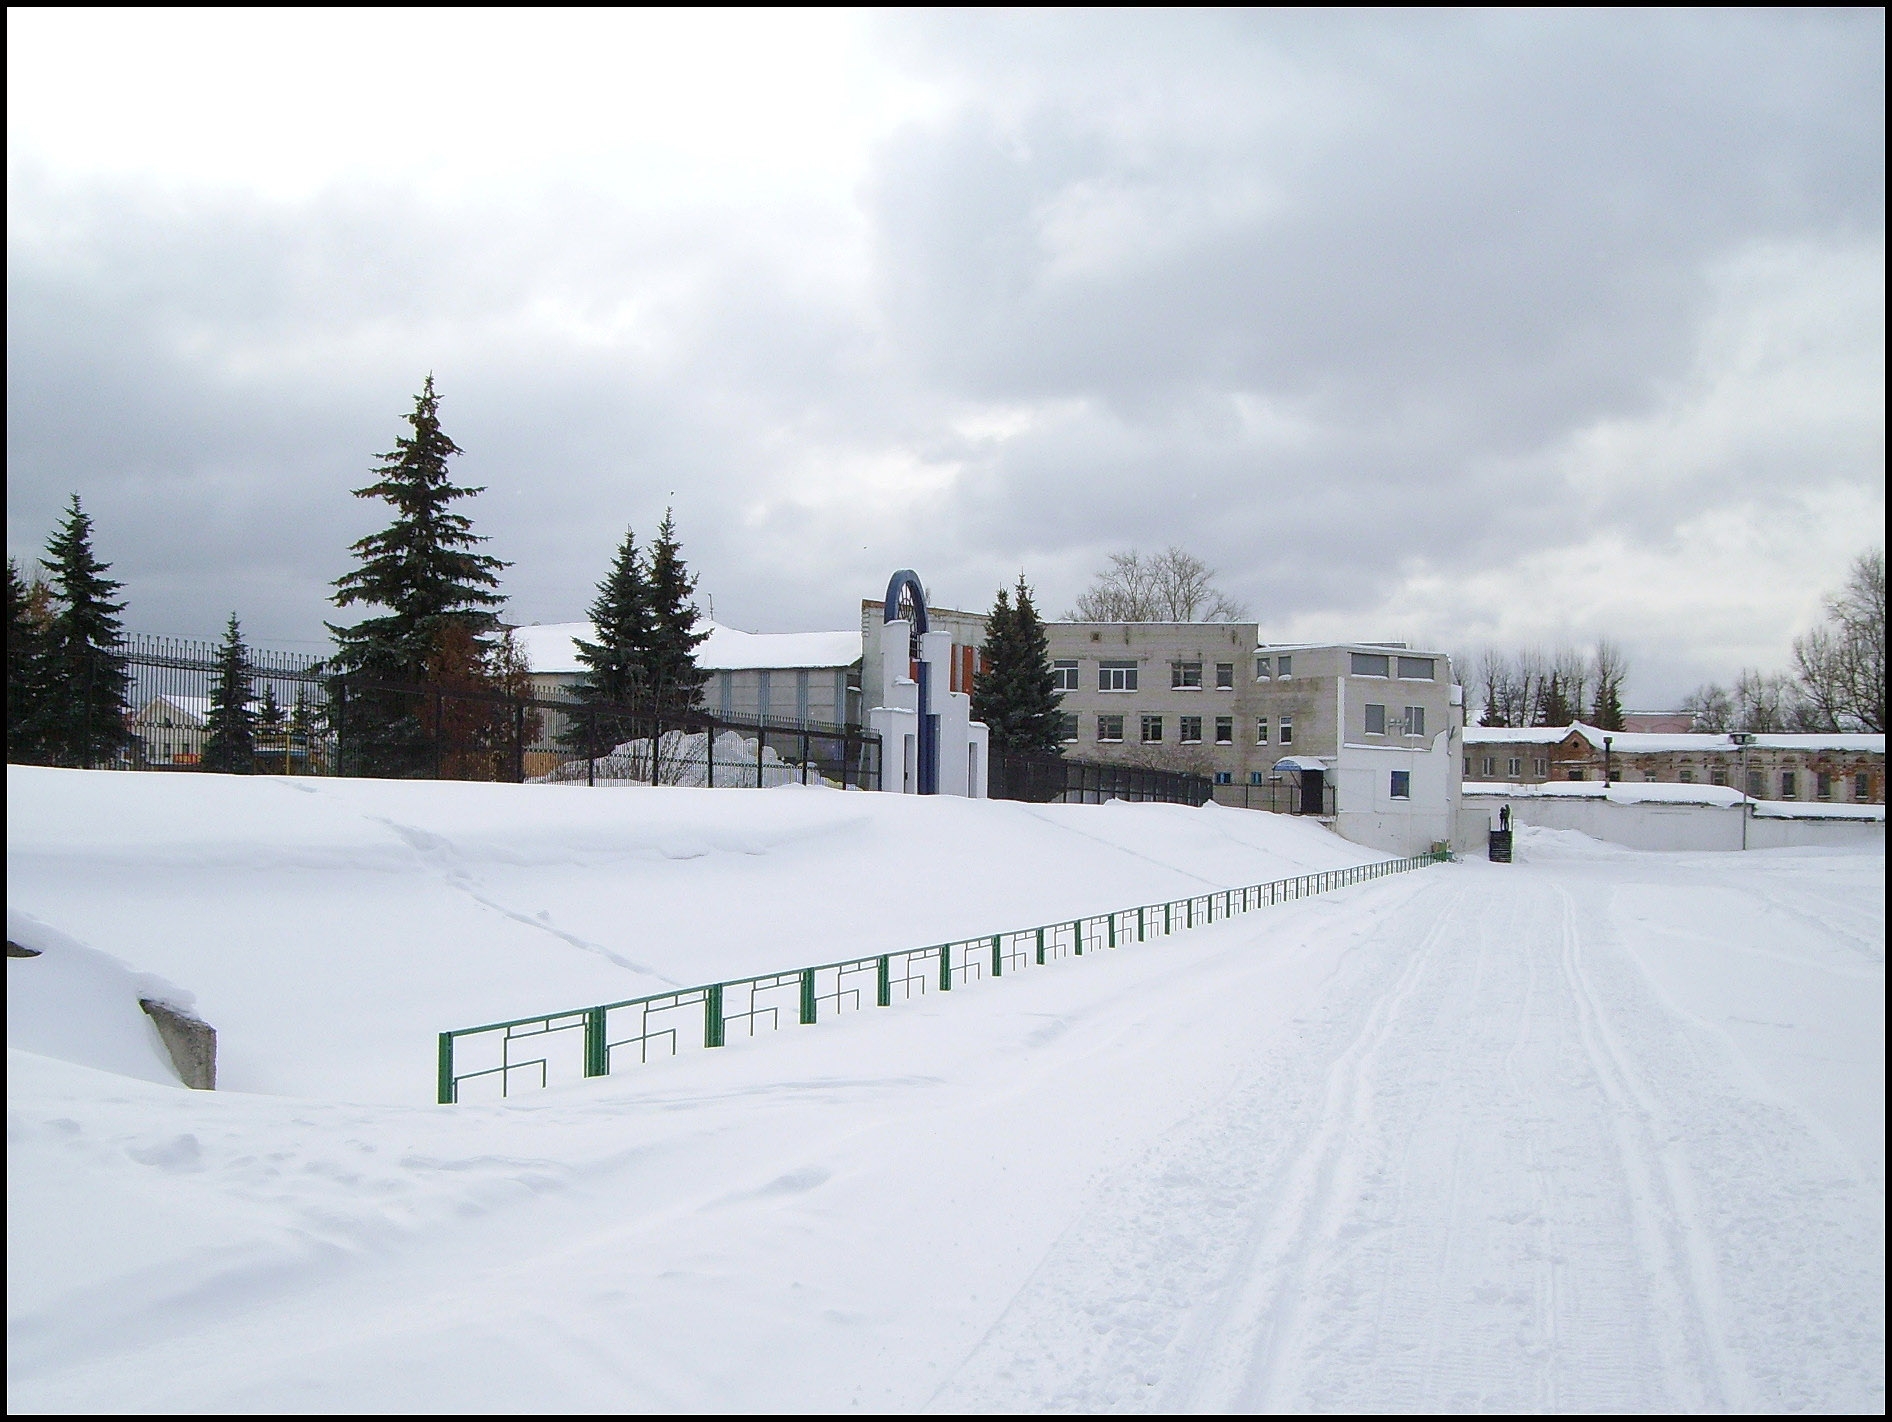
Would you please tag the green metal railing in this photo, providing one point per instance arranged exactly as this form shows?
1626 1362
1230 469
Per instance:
588 1041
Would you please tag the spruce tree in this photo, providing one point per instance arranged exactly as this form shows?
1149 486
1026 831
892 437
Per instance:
230 733
272 726
622 616
1606 712
28 617
672 680
84 714
1015 693
423 568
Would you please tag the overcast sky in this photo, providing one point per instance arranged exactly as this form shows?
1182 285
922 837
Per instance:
1463 328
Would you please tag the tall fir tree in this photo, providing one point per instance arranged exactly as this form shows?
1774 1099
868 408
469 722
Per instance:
28 623
84 714
1606 712
1015 693
622 617
272 731
423 568
1555 708
672 680
230 732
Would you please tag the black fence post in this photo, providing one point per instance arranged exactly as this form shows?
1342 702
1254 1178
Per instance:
518 741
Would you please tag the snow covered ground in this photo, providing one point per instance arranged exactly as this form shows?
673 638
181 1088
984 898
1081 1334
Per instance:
1597 1130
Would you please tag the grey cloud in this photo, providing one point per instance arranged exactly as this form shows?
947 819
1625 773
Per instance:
1435 249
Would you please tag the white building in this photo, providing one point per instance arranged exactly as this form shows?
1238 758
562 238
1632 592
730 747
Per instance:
930 745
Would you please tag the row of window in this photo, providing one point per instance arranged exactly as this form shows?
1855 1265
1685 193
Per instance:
1825 786
1189 729
1183 676
1413 723
1187 676
1409 668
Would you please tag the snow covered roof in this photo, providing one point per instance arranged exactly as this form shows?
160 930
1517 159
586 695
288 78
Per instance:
1515 735
1653 793
1655 742
549 650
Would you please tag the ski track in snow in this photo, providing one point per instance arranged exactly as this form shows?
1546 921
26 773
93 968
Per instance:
1486 1201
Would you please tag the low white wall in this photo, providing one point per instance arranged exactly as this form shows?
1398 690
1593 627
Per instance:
1660 826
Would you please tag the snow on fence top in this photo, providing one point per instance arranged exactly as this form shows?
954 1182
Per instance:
551 650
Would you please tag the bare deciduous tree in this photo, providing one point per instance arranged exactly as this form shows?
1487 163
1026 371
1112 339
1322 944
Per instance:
1171 586
1841 666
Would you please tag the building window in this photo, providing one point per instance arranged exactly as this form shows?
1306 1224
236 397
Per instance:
1574 773
1224 777
1789 785
1287 730
1415 668
1375 720
1064 676
1371 664
1190 729
1255 778
1861 789
1468 765
1415 720
1822 786
1067 726
1402 784
1514 767
1688 776
1284 666
1152 728
1225 676
1116 676
1540 767
1491 765
1261 730
1754 784
1110 728
1718 776
1262 668
1185 676
1225 730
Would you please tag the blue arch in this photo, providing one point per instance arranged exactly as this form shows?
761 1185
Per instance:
904 580
926 772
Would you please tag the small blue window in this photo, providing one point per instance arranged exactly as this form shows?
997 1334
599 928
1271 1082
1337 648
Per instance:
1224 777
1255 778
1402 784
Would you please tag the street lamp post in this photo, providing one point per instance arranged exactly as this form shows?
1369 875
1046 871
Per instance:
1741 739
1608 765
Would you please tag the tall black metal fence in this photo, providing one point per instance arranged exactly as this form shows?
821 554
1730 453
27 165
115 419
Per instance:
1286 796
310 721
1052 779
443 732
168 694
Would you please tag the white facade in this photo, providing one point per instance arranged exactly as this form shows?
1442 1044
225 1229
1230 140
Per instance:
895 714
909 679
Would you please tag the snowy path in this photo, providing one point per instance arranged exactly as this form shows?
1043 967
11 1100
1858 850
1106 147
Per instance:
1507 1174
1600 1131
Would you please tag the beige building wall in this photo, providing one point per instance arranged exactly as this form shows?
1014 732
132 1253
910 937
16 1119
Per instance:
1836 773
